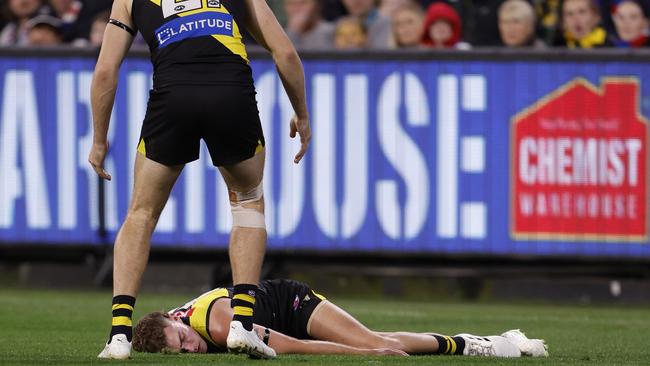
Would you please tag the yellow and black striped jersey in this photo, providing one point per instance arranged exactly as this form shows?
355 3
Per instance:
196 312
285 306
194 41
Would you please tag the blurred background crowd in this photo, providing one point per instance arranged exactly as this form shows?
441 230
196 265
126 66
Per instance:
374 24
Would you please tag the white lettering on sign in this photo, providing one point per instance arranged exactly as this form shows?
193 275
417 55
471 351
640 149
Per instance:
578 161
346 220
22 169
405 157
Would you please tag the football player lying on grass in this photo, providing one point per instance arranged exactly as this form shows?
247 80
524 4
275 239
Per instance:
291 318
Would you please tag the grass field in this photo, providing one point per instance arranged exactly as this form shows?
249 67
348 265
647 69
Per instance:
69 328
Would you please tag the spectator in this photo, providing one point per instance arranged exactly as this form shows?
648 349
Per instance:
378 27
77 16
408 22
548 13
98 27
517 24
18 12
351 34
387 8
632 24
580 21
305 26
442 27
44 30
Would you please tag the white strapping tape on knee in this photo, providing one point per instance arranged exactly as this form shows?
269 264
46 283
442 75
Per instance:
246 216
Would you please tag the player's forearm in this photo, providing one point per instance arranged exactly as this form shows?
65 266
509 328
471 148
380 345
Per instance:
293 79
321 348
103 90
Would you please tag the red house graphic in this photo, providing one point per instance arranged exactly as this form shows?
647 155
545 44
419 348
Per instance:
579 165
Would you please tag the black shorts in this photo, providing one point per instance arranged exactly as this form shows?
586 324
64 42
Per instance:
179 116
286 306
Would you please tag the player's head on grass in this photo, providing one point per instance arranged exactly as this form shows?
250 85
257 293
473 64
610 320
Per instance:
159 332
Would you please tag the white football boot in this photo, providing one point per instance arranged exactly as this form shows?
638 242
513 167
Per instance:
491 346
241 340
528 347
119 348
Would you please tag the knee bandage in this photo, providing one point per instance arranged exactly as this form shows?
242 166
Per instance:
246 216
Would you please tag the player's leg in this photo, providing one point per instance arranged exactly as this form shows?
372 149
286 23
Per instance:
331 323
246 249
152 185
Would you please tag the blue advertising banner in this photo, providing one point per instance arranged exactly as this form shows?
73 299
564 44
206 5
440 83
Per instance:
471 157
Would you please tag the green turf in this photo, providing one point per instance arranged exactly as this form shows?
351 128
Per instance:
63 327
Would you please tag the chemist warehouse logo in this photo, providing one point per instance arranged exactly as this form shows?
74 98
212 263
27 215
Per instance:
579 165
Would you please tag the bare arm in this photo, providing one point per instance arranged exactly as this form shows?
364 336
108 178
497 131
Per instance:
284 344
115 45
264 27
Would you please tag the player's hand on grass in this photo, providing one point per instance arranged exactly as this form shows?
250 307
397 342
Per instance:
96 159
388 352
301 126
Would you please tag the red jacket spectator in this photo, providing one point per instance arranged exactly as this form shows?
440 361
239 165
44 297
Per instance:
444 13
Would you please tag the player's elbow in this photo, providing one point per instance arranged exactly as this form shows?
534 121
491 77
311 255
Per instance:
106 73
286 56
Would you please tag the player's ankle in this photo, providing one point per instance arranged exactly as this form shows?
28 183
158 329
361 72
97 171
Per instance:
450 345
122 313
243 302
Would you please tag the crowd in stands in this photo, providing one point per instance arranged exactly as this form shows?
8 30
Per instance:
375 24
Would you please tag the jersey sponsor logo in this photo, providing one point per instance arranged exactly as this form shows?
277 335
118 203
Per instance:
579 168
193 26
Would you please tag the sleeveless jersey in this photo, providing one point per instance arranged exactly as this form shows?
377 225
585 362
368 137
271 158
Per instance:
196 313
194 41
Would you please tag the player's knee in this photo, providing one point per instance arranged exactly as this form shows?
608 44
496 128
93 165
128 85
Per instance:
142 217
248 208
392 343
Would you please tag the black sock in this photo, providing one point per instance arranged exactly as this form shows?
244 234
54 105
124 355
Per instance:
242 303
450 345
122 312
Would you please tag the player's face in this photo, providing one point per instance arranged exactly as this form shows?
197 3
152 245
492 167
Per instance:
579 17
182 338
630 21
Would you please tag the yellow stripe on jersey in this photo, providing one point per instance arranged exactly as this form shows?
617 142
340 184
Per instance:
142 149
247 298
122 306
318 295
121 320
259 147
234 43
199 316
243 310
